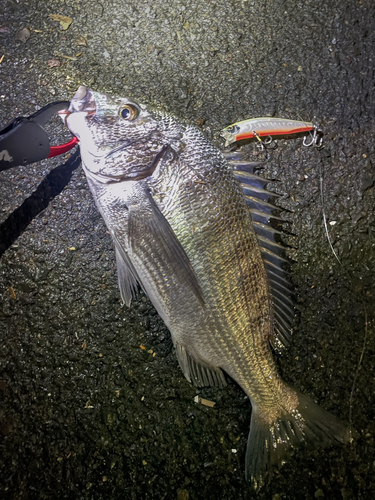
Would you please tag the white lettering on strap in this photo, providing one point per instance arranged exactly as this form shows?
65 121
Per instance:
5 156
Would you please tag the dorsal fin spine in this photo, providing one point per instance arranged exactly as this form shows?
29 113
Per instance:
262 211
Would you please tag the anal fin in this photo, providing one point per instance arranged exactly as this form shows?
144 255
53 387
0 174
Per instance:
198 373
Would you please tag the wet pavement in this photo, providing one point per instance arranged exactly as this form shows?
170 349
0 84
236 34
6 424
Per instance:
93 404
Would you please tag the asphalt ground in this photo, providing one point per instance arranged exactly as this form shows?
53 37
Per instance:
93 403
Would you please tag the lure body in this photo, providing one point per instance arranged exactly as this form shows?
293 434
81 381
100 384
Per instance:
264 127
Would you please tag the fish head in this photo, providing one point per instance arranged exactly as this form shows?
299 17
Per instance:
119 138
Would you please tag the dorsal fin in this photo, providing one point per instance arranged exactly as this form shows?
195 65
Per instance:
266 222
262 218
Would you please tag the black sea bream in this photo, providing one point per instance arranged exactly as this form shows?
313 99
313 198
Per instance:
182 218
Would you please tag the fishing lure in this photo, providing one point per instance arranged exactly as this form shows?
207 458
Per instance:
270 127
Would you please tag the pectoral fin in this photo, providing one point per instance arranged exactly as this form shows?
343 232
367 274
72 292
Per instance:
148 226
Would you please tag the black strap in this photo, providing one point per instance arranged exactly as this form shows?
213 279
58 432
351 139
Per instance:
24 141
50 187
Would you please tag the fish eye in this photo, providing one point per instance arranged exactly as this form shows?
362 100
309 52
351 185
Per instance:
128 112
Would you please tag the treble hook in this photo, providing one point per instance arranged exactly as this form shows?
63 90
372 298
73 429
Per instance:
317 139
268 140
264 143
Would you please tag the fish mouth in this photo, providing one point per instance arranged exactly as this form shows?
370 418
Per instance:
83 101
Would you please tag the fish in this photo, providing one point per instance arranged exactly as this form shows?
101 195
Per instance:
195 228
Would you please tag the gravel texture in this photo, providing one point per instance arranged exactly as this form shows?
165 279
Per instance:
93 404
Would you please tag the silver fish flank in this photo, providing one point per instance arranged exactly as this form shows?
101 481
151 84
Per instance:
191 227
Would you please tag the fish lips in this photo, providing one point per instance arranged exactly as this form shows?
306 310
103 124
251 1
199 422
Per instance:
83 101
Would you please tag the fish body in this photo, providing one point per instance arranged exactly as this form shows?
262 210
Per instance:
180 220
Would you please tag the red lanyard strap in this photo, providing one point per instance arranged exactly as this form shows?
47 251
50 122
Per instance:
62 148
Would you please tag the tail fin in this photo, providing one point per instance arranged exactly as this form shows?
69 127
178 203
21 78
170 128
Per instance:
269 445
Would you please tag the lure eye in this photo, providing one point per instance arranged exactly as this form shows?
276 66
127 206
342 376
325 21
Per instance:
233 129
128 112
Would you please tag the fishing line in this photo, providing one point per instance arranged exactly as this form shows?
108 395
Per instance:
361 301
357 370
324 214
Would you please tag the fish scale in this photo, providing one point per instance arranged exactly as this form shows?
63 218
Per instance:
220 261
180 215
